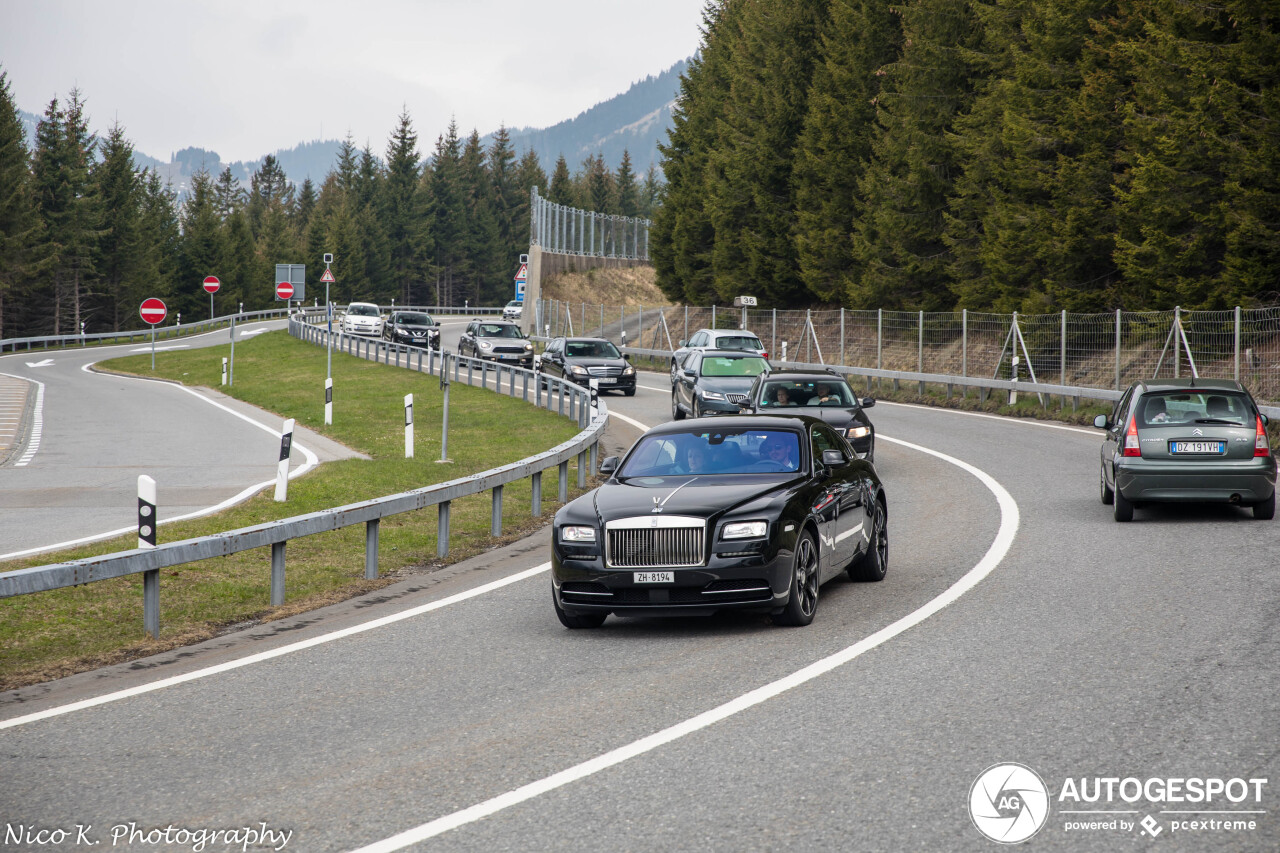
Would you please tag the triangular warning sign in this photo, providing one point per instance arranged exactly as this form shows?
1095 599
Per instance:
524 272
328 276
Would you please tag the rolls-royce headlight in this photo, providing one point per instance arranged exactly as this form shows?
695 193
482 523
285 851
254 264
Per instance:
859 432
745 530
577 534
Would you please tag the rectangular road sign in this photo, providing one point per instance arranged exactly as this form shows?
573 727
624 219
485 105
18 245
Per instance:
295 274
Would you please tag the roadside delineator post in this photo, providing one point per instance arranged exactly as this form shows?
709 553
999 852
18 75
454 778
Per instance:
224 371
408 426
282 470
147 539
328 400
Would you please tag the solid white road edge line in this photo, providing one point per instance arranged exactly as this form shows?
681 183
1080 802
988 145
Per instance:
1009 520
273 653
1002 418
635 423
37 423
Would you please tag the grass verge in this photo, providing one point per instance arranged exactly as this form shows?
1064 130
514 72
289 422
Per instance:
57 633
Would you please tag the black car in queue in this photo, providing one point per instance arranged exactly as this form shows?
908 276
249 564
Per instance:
415 328
821 394
714 382
747 513
496 340
582 359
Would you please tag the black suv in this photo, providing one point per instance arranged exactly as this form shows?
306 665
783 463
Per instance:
415 328
496 340
821 394
582 359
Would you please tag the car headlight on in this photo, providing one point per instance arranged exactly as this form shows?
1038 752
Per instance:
745 530
858 432
629 371
577 534
578 371
710 395
528 347
485 345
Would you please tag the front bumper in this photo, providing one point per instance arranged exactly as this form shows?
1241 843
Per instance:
1245 482
717 407
607 383
759 581
368 331
516 359
432 341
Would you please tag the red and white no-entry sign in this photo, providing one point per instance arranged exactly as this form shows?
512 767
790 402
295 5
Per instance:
153 311
211 283
284 290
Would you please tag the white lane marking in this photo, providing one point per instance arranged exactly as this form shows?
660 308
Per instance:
311 461
162 349
659 390
1003 418
37 423
46 363
635 423
273 653
1009 519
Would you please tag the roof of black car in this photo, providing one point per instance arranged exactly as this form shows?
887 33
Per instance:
805 373
731 422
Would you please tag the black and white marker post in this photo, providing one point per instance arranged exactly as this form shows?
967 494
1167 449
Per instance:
408 426
595 397
147 539
446 357
282 471
224 371
328 400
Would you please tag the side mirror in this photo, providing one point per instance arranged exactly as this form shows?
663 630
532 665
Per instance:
690 374
627 356
680 343
868 402
608 465
832 458
1101 422
746 407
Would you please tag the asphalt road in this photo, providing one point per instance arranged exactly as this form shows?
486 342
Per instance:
72 474
1018 623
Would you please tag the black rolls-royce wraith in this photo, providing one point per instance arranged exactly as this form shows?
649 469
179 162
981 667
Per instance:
750 513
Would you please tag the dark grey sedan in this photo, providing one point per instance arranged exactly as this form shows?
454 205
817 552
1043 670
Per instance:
1187 440
714 383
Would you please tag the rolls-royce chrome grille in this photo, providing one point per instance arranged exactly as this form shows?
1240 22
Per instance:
654 541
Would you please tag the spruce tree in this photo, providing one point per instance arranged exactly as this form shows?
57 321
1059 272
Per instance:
120 248
401 209
561 189
202 247
18 225
627 192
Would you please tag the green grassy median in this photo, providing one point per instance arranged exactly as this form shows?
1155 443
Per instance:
52 634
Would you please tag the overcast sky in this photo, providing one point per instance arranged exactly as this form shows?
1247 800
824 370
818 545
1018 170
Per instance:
245 78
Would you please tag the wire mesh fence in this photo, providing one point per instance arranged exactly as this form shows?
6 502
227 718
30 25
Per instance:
1106 351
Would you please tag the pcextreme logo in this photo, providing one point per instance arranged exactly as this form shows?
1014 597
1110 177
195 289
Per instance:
1009 803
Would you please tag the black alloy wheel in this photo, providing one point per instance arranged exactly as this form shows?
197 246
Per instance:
577 620
802 603
677 414
1107 495
873 564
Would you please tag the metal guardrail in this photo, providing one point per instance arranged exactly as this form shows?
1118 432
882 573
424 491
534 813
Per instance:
276 534
1074 392
199 326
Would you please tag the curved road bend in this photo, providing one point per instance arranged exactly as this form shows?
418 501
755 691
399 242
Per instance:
75 477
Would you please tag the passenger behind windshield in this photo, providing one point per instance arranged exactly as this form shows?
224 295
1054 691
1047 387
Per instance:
591 349
495 330
753 451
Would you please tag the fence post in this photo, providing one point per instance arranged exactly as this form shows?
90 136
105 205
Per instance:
773 344
841 335
564 481
1237 343
582 469
1062 375
920 354
1117 349
537 494
371 549
277 573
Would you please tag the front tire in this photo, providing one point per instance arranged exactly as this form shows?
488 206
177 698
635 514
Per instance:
577 620
873 564
630 392
1108 496
1123 509
697 410
677 414
802 603
1266 510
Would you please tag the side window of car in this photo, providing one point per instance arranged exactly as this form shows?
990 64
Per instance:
692 362
1122 406
699 339
824 439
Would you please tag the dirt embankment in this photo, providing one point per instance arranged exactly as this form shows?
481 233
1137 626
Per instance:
614 286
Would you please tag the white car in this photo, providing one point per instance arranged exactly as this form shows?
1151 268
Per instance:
716 339
362 318
513 310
